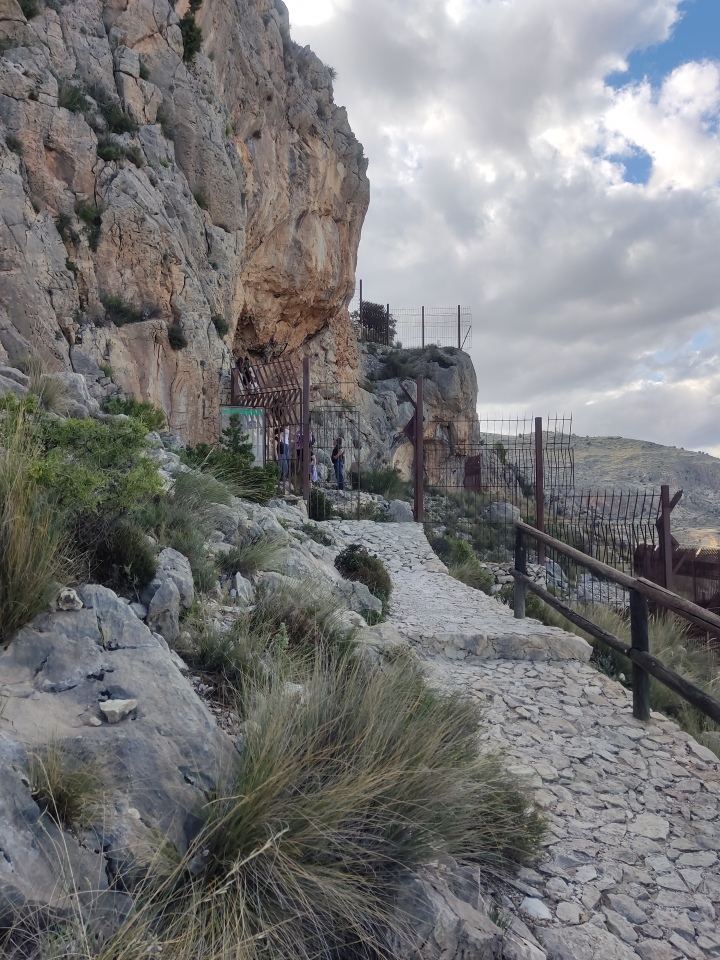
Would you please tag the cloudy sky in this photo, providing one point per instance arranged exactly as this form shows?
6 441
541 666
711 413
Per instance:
555 166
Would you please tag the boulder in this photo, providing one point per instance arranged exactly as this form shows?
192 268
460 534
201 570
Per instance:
586 942
401 511
503 513
358 597
445 925
164 611
171 565
157 765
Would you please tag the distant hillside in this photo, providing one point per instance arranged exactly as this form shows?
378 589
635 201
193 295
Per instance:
619 462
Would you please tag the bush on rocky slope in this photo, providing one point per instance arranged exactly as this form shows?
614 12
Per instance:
355 563
33 546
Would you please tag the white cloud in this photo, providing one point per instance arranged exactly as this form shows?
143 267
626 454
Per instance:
497 156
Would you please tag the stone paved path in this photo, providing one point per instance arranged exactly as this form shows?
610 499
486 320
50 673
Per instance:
632 867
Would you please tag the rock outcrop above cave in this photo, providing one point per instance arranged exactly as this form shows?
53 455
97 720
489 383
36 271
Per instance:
236 191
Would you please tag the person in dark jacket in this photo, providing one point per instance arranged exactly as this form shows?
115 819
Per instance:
338 459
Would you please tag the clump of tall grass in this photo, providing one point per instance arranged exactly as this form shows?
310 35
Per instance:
33 549
67 788
671 644
348 782
51 393
309 616
249 556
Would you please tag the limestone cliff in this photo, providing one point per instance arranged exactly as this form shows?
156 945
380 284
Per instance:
229 186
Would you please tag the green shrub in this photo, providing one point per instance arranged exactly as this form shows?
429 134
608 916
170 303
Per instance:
119 310
30 8
96 476
107 370
163 162
355 563
109 149
462 562
117 120
191 35
71 266
201 199
151 417
67 788
388 483
220 324
72 97
144 71
33 548
126 560
92 218
339 796
177 338
14 143
135 155
321 507
64 227
167 124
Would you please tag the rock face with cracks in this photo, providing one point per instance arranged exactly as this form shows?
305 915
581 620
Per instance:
229 187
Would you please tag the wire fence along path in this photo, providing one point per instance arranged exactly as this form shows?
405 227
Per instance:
410 327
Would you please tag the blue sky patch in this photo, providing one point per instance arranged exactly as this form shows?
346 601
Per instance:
696 36
638 165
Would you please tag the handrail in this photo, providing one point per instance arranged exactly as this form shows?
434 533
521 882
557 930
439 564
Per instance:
643 664
652 591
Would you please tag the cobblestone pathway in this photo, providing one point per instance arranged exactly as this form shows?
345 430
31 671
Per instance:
633 809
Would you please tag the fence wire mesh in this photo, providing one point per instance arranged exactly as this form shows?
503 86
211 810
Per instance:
480 477
334 414
411 327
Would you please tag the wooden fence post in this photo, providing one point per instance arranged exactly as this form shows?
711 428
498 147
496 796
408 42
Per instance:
640 641
422 327
305 455
521 567
539 488
419 453
666 537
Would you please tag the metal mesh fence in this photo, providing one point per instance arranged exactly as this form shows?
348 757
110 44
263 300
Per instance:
412 327
334 414
480 477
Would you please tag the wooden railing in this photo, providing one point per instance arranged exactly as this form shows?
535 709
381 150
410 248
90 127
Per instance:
640 591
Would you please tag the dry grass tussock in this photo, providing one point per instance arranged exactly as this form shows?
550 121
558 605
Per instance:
33 549
51 393
350 778
670 643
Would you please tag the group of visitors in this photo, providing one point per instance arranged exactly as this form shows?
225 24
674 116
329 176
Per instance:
283 451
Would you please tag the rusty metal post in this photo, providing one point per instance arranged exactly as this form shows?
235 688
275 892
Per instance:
521 567
666 537
387 325
362 328
539 488
419 511
305 462
640 641
459 330
422 327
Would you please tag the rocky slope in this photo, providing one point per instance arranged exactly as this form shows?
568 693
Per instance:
232 188
622 463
